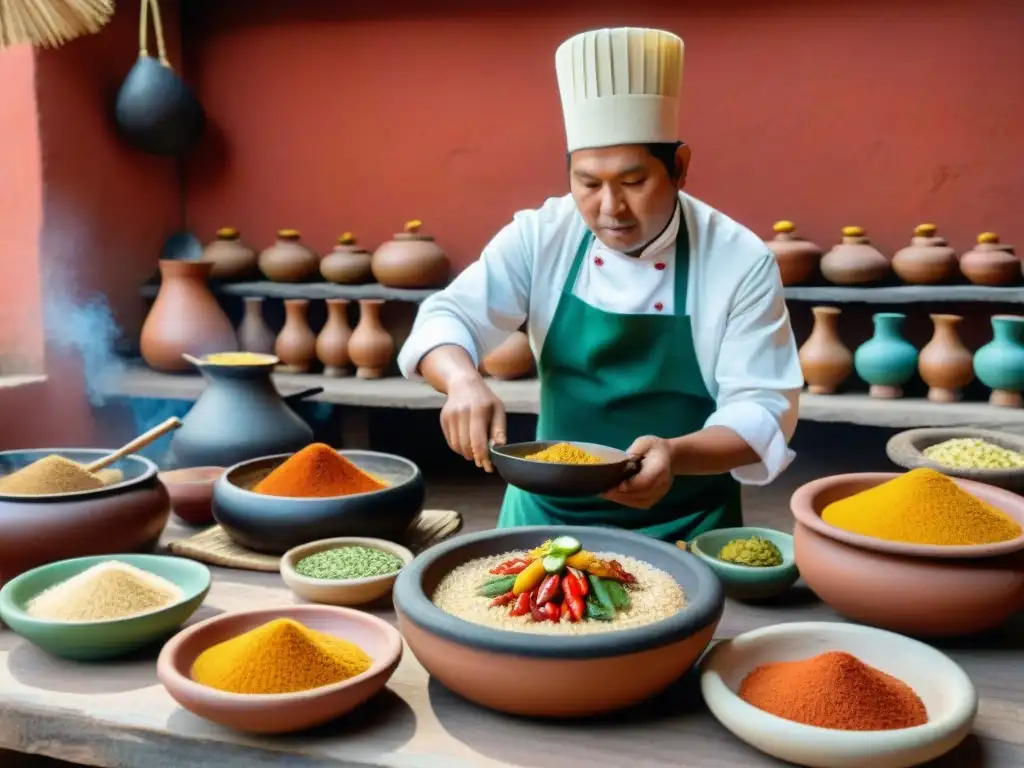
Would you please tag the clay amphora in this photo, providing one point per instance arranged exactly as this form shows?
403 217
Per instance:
928 259
991 262
185 318
1000 363
348 263
797 258
512 359
824 359
886 361
288 260
332 342
945 364
411 260
232 259
296 343
854 261
254 335
371 347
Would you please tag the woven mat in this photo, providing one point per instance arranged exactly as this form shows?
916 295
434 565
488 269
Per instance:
214 547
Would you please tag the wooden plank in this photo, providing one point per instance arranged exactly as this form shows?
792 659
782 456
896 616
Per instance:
270 290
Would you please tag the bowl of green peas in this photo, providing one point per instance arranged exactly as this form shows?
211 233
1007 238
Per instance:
344 571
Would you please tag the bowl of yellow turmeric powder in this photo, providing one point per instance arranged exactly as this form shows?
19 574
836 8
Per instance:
988 456
567 469
919 552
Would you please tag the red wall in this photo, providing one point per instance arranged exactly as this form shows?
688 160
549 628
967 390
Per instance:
882 114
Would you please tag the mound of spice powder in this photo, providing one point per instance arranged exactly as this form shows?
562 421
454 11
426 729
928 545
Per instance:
317 471
348 563
834 690
564 453
109 590
51 474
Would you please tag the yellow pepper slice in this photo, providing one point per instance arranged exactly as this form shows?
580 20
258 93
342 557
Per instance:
581 560
529 577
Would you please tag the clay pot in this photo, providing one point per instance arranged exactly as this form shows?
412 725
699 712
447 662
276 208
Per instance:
332 343
288 260
945 364
991 262
824 359
254 334
886 361
371 347
1000 363
411 260
185 318
232 259
348 263
854 261
797 258
296 343
928 259
512 359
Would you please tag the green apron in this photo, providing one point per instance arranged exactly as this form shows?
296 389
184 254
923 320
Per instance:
610 378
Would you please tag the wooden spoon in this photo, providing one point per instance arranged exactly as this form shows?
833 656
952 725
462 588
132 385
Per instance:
139 442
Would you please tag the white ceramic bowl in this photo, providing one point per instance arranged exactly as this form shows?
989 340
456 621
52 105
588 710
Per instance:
341 591
946 690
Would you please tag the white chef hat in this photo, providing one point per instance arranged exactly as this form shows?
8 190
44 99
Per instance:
620 86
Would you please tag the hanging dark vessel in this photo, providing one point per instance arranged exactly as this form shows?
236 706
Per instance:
155 111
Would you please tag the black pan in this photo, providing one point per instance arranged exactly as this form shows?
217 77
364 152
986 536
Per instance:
566 480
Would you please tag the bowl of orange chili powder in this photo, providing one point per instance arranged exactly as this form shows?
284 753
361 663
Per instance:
275 503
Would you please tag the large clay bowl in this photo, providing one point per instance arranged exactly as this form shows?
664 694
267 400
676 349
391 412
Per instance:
542 675
906 450
914 589
275 524
285 712
128 516
566 480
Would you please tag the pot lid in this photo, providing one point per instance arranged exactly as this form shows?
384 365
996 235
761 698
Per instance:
227 233
412 231
288 234
347 244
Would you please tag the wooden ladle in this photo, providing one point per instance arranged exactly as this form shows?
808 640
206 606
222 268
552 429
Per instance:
139 442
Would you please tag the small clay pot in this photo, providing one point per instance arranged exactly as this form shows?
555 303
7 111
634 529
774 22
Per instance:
1000 363
371 347
296 344
928 260
991 262
332 343
254 334
825 361
945 364
411 260
288 260
797 258
232 259
512 359
348 263
854 261
886 361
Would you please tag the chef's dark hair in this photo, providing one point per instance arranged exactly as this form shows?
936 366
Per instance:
663 152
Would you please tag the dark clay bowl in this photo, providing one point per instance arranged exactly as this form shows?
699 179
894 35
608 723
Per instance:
540 675
275 524
128 516
191 492
906 450
565 480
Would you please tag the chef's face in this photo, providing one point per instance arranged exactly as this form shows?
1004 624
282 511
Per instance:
626 195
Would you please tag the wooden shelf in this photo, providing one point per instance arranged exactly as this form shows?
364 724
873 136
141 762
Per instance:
523 397
269 290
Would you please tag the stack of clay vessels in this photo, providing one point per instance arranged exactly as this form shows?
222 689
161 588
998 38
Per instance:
512 359
411 260
296 343
887 360
928 260
254 335
991 262
999 364
797 258
232 259
348 263
824 359
371 347
854 261
945 364
288 260
333 340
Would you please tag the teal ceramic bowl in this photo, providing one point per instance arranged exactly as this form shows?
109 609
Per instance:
96 640
744 582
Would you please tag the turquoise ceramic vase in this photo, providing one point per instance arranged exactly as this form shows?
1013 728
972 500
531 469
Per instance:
886 361
1000 363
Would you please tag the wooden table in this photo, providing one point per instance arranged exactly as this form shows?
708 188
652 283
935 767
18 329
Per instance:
117 714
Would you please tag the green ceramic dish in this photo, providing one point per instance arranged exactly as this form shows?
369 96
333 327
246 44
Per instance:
95 640
744 582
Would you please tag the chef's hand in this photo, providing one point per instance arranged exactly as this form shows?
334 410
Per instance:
647 487
472 417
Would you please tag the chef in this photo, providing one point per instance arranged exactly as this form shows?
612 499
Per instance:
658 323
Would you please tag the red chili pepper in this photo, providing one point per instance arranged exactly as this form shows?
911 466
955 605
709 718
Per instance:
575 606
622 573
537 613
505 599
551 611
548 589
521 607
511 567
580 586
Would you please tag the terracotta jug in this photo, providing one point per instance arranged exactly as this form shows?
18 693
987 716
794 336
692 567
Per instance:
232 259
945 364
854 261
999 364
254 335
991 262
348 263
332 343
184 318
411 260
512 359
288 260
886 361
797 258
296 343
824 359
928 259
371 347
